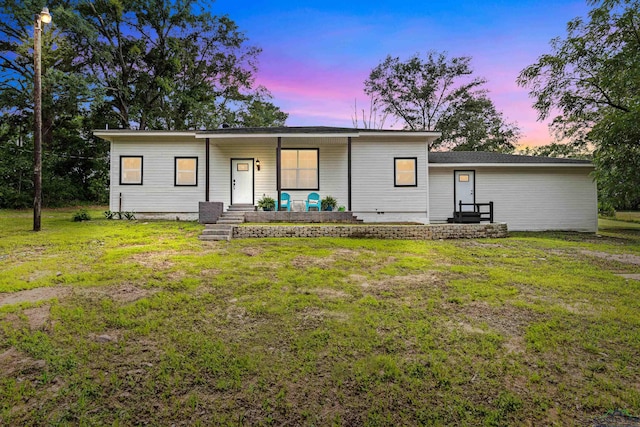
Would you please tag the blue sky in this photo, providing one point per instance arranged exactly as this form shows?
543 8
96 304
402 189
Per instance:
316 55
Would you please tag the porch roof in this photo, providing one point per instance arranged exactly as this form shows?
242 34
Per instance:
308 132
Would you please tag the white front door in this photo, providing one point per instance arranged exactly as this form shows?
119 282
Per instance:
465 188
242 181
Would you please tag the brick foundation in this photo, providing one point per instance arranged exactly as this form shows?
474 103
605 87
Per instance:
409 232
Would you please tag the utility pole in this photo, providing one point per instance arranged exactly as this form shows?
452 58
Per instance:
43 17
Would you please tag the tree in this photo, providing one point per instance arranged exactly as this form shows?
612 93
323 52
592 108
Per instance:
375 118
440 94
259 111
591 82
123 63
165 64
569 151
70 160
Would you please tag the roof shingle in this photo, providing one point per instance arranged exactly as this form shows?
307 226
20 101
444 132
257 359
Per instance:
472 157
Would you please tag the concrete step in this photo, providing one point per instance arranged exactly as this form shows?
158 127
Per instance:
241 208
238 217
206 237
227 227
229 221
216 232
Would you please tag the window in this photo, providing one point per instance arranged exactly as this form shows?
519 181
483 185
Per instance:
299 170
131 170
186 171
406 171
463 177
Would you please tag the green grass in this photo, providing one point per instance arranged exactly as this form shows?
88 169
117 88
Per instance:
533 329
628 216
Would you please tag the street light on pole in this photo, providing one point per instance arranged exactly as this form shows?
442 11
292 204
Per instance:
43 17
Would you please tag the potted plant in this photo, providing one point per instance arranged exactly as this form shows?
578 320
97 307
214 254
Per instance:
328 203
267 203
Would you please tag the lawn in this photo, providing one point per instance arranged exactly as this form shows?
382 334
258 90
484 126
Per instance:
628 216
131 322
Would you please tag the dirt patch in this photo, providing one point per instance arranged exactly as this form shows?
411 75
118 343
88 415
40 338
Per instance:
507 320
622 258
38 316
34 295
251 251
155 260
14 362
427 280
358 278
209 272
473 243
123 293
327 293
617 419
303 261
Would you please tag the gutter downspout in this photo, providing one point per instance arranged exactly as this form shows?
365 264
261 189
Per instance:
278 166
349 174
206 169
427 171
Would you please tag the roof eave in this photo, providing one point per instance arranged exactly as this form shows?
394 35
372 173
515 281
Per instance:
498 165
212 135
110 135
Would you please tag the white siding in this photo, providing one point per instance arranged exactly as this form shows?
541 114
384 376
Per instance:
333 167
526 198
157 192
221 155
374 196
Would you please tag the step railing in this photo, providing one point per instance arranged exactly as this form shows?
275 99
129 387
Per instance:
478 212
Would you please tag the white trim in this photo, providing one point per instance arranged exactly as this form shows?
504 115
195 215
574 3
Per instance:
430 134
274 135
355 134
109 135
511 165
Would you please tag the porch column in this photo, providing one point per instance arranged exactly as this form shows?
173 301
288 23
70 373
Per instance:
278 166
206 170
349 174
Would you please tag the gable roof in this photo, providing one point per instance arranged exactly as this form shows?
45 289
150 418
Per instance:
488 158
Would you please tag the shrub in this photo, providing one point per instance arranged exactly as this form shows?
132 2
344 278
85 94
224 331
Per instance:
120 214
81 215
606 209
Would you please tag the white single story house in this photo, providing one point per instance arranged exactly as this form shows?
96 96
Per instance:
379 175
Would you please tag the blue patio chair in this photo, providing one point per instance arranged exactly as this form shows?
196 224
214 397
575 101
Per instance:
285 202
313 201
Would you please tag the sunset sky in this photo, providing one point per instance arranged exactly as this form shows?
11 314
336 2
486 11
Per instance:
317 55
